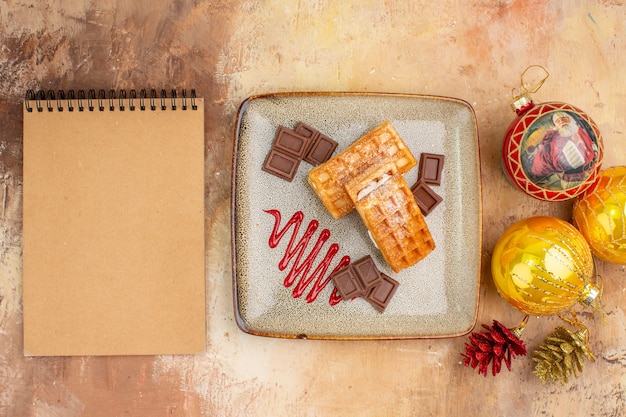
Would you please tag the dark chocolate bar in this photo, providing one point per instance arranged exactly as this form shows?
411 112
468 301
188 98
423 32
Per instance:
367 272
306 130
321 147
431 167
292 146
281 164
363 278
347 283
289 141
380 295
426 198
320 150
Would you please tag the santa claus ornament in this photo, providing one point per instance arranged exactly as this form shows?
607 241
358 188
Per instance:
552 151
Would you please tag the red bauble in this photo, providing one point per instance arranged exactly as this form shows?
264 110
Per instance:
552 151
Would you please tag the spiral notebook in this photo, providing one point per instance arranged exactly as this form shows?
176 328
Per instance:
113 223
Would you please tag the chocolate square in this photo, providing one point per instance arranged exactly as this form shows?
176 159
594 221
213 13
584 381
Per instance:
290 142
380 295
347 283
425 197
320 150
281 164
431 167
366 270
306 130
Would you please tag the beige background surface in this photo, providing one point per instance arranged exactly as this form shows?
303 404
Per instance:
228 50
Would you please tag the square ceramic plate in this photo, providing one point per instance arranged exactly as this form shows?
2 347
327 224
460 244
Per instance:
437 297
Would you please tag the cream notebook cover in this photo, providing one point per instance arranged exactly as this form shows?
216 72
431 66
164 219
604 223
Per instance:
113 223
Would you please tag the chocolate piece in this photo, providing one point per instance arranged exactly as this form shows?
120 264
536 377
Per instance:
320 150
425 197
367 272
306 130
431 166
289 141
321 147
363 278
380 295
347 283
281 164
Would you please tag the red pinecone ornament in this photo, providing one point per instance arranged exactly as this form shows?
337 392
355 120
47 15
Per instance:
498 343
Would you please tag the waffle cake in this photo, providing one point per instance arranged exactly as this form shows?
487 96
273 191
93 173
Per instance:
377 147
388 208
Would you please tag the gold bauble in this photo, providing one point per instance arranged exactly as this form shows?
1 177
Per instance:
600 215
543 266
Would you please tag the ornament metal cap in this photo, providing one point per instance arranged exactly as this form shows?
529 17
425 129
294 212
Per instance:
521 103
589 294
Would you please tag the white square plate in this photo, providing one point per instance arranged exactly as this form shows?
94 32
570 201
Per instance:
438 297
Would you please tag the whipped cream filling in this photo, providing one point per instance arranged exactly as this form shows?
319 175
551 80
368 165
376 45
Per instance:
372 186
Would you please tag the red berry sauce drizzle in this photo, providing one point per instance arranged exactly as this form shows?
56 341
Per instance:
301 268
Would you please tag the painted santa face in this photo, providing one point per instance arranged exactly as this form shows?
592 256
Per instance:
565 125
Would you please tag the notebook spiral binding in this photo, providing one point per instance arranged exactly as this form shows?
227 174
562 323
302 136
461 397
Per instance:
77 100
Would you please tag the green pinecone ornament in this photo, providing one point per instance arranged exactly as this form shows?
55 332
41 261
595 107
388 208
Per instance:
561 354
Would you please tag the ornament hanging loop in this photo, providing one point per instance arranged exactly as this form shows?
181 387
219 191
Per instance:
521 95
573 320
539 83
517 331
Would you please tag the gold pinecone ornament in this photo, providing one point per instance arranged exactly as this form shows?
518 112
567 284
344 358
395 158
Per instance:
561 354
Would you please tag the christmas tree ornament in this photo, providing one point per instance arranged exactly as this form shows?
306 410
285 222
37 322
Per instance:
493 346
543 266
552 151
600 215
561 355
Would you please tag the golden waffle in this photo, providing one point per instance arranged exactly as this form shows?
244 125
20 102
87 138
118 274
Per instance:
392 216
377 147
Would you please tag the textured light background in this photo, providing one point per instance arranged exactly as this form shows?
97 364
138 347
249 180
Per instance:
228 50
